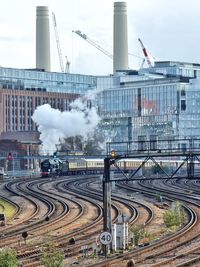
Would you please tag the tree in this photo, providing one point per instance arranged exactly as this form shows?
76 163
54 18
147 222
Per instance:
52 257
8 258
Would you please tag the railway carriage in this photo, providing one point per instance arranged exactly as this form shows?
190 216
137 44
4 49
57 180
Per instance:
95 165
76 166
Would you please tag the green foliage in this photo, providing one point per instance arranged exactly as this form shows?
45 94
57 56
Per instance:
7 208
174 216
52 257
139 233
170 219
149 235
8 258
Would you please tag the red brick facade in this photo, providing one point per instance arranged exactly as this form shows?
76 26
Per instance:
17 107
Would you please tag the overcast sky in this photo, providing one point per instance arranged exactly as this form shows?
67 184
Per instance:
169 30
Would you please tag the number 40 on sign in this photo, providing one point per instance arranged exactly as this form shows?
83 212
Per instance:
105 238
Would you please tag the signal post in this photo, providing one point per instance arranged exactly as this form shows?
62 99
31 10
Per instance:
107 216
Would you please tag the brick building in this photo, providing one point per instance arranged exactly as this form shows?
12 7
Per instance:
17 107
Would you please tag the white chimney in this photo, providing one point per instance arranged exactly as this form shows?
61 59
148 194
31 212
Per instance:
120 38
43 60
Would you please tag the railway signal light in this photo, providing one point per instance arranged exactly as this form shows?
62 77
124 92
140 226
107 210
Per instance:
72 241
24 235
113 153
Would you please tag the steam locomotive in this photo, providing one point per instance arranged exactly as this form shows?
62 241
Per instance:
50 167
57 167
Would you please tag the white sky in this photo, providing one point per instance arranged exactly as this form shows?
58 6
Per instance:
168 28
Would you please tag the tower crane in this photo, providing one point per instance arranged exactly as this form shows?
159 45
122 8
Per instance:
145 53
84 36
59 48
58 43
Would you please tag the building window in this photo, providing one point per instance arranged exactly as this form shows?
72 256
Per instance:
182 92
183 105
139 102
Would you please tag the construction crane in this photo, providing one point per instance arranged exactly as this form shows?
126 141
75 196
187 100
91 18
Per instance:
145 53
58 43
84 36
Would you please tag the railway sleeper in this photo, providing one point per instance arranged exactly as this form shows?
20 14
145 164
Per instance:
28 254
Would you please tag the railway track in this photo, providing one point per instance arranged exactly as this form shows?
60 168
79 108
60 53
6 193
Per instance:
78 204
178 250
76 211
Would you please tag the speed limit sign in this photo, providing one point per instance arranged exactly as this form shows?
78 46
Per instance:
105 238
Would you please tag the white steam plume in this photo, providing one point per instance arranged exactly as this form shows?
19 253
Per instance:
55 125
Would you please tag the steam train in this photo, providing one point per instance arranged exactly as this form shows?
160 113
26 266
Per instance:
77 166
50 167
58 167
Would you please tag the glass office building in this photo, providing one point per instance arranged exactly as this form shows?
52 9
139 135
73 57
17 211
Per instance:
162 102
36 80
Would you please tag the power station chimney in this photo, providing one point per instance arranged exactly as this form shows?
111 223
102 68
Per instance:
43 60
120 38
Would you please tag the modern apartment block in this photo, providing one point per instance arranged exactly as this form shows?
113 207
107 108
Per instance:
162 102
